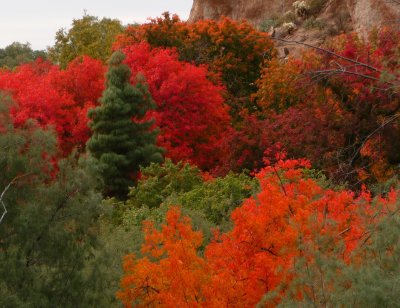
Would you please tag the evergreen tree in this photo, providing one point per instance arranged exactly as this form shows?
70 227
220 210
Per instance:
48 236
122 138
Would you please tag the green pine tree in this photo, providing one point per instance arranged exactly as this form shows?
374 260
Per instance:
122 139
48 234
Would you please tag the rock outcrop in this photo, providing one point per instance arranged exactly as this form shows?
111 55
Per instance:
329 17
254 11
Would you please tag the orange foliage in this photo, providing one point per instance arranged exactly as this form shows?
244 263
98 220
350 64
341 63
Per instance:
171 274
279 86
341 112
259 254
234 50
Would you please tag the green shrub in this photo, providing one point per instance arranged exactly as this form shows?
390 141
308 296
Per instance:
161 181
313 23
274 22
289 17
315 6
218 198
208 202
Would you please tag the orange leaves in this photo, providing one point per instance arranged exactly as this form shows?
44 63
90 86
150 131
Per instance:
234 50
278 86
330 105
264 243
166 31
173 275
271 231
177 228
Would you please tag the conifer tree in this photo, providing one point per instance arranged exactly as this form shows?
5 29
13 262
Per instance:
49 226
123 139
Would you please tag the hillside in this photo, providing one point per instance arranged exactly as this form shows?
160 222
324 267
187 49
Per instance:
310 21
187 164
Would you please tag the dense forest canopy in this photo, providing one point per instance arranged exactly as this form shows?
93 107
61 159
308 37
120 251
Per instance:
181 164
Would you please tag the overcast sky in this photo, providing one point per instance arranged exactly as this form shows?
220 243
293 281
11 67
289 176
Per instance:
36 21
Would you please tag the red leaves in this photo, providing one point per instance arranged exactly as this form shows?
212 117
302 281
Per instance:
191 113
56 98
232 50
338 111
190 110
83 79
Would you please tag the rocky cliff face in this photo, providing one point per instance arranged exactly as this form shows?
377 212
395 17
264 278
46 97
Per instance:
366 14
321 18
255 11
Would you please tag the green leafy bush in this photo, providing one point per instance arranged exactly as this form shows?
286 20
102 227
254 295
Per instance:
269 23
208 202
313 23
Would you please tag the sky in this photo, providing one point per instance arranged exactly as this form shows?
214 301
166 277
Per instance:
36 21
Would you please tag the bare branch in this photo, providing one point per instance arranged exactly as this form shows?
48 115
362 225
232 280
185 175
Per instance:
332 53
283 188
4 212
280 180
269 251
344 231
372 134
6 189
345 71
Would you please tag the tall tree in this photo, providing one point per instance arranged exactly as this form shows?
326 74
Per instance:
295 232
18 53
233 50
191 112
88 36
54 97
48 234
123 138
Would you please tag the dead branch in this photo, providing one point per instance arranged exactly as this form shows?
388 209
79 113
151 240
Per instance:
390 120
344 71
6 189
332 53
